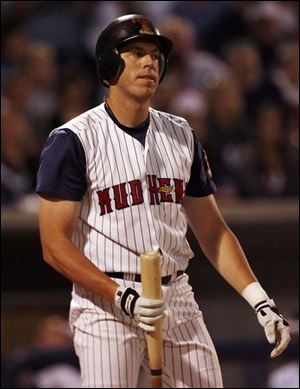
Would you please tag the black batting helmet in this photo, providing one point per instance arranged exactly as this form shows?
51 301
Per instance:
121 31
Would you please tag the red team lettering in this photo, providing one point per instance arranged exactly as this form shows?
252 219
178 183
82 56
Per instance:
161 190
104 201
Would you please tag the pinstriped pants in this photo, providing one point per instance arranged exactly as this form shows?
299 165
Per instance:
112 349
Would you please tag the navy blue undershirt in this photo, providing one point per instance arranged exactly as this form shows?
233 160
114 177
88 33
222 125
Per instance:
138 133
62 170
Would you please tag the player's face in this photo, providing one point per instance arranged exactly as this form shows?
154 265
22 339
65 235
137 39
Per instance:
140 76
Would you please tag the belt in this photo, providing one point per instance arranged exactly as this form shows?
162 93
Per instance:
137 277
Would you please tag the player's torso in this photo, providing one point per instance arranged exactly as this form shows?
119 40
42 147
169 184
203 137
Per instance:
133 201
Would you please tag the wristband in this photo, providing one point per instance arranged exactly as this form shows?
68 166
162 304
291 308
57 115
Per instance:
254 294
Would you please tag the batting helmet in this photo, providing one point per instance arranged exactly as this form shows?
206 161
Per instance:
121 31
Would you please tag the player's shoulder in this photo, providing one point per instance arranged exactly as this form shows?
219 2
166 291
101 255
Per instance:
168 118
85 121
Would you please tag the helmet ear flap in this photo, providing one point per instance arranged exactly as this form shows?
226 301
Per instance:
162 66
109 66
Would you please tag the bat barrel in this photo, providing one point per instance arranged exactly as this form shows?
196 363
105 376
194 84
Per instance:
150 274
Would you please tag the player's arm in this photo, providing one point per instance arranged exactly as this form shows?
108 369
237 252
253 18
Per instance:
56 222
217 241
61 184
223 250
215 238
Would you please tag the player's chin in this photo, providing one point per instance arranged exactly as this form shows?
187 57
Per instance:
147 90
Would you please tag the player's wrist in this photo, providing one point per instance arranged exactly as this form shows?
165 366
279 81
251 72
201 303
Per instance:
118 294
254 294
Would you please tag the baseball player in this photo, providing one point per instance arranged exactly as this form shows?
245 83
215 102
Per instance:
121 179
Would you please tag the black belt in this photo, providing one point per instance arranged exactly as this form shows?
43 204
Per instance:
137 277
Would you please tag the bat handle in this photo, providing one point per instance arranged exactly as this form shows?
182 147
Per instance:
156 381
154 343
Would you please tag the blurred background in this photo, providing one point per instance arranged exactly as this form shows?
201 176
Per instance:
234 75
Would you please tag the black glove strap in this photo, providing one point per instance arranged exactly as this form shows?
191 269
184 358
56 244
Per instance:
128 301
263 304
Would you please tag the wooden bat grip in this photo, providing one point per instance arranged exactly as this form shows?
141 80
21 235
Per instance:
151 288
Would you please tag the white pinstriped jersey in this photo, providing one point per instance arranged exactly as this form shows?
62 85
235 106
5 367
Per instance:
133 200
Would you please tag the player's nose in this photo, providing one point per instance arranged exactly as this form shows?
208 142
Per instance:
150 60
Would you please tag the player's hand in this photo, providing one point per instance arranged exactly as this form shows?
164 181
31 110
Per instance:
147 312
276 328
144 310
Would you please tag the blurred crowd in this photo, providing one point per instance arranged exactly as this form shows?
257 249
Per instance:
233 74
48 361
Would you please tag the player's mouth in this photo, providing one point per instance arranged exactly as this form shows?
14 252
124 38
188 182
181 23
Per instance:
150 77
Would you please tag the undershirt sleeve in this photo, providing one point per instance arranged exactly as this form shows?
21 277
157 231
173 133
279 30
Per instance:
201 182
62 167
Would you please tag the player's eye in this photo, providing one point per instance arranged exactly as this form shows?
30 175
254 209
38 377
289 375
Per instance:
137 53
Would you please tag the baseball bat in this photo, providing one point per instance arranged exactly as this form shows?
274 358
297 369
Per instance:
151 288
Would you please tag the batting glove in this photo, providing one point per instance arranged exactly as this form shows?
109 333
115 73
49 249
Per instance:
144 310
276 328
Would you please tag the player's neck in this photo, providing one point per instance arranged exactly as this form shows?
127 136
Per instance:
129 112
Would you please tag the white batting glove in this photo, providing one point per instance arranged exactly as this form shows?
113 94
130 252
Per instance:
276 328
144 310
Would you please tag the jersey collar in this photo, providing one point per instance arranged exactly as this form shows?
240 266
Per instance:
141 128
